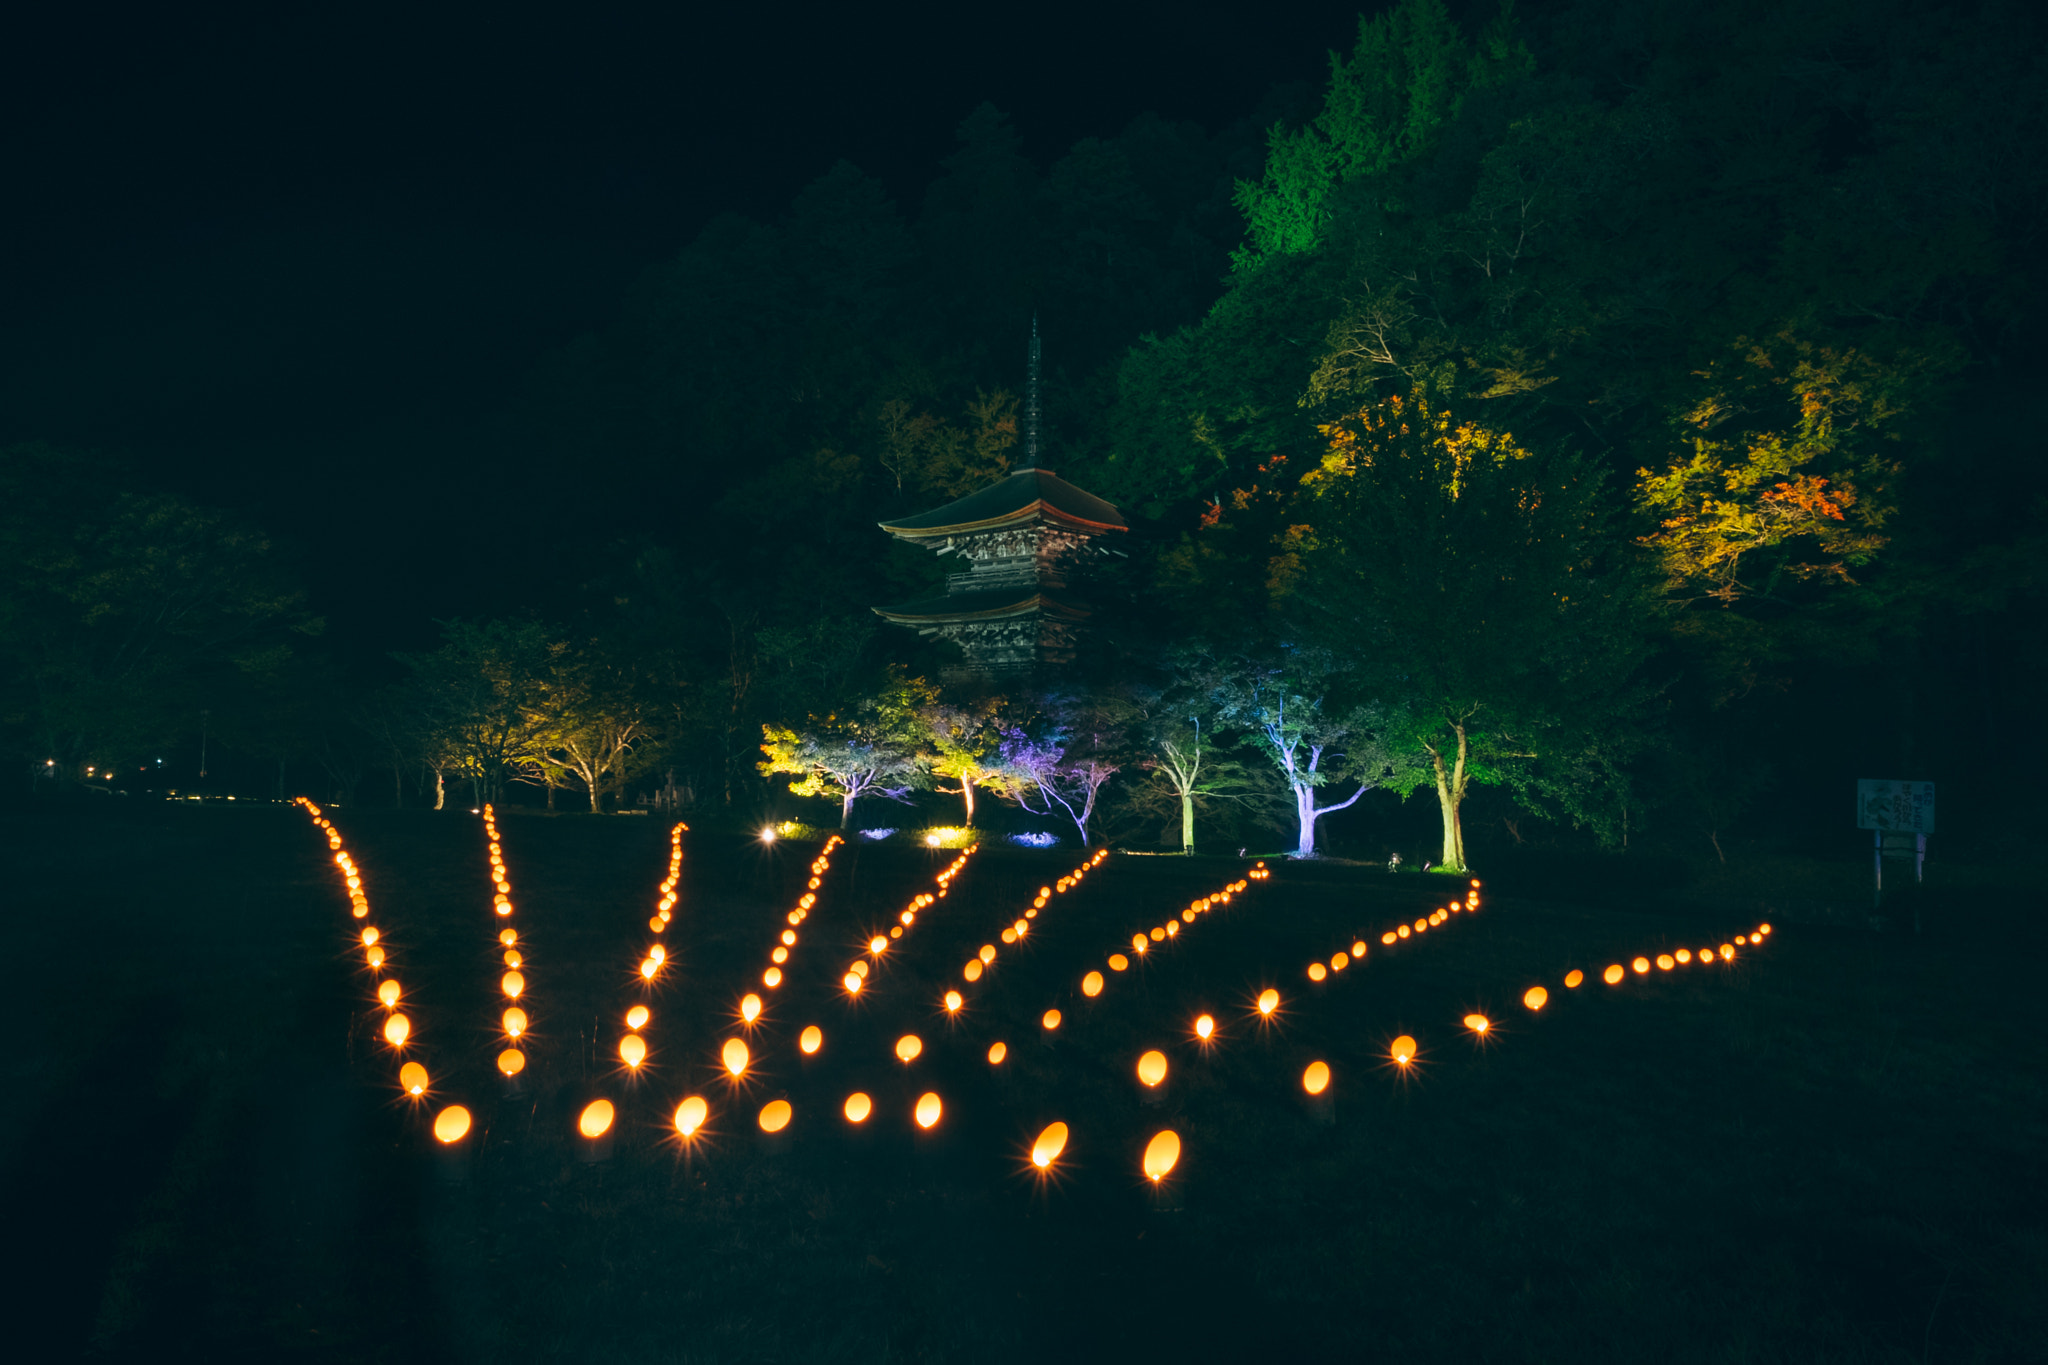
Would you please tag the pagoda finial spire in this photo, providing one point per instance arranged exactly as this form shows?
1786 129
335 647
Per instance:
1031 407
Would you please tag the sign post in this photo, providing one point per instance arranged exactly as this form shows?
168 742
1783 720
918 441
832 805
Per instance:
1901 814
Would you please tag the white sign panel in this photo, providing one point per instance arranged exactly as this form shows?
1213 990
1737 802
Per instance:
1906 807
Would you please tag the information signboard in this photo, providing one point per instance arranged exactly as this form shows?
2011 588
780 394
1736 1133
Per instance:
1895 807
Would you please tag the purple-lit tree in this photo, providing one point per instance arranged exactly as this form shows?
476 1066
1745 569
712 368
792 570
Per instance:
1079 745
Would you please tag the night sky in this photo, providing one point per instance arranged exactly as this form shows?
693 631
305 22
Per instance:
297 262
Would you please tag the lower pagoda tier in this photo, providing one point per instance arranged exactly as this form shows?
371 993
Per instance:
1002 633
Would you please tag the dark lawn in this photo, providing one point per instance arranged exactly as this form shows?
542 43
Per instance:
1832 1151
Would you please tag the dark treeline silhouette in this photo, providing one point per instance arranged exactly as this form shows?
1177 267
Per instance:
1614 413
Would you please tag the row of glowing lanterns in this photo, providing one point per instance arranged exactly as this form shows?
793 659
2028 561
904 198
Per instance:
856 978
1093 982
1162 1152
511 1061
820 865
452 1124
1319 971
1016 932
633 1047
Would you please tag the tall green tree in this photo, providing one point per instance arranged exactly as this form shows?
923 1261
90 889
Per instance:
1485 586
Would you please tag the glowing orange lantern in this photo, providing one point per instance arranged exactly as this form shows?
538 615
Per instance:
632 1049
988 952
996 1053
1159 935
513 983
1317 971
1340 962
1152 1068
1162 1153
1684 955
858 1107
511 1061
878 945
369 935
1572 979
811 1039
750 1008
908 1047
1009 936
1612 976
734 1055
508 937
1387 937
1204 1026
412 1078
1051 1020
387 992
1536 997
954 1000
1403 1050
397 1029
515 1022
1269 1000
775 1116
772 978
1727 953
1091 985
1478 1023
374 956
690 1115
1641 965
1137 943
1763 928
1316 1079
451 1125
596 1119
1403 931
1050 1144
928 1110
637 1017
1358 949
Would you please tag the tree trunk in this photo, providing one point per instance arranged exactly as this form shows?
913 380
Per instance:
967 791
846 811
1450 793
440 789
1305 810
1187 823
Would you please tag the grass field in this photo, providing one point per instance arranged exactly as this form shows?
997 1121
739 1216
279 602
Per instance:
1831 1150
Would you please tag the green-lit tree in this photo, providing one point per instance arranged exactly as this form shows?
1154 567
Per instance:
1487 587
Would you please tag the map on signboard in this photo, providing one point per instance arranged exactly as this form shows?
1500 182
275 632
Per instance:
1907 807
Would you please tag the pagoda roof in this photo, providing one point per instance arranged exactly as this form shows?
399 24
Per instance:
1022 497
988 604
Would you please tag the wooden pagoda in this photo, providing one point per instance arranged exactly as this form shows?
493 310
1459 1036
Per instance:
1027 541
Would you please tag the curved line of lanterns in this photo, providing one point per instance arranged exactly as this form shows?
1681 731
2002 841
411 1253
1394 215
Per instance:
632 1047
1321 970
1093 982
452 1124
512 984
1016 931
855 979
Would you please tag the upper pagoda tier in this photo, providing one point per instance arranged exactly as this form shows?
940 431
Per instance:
1026 498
